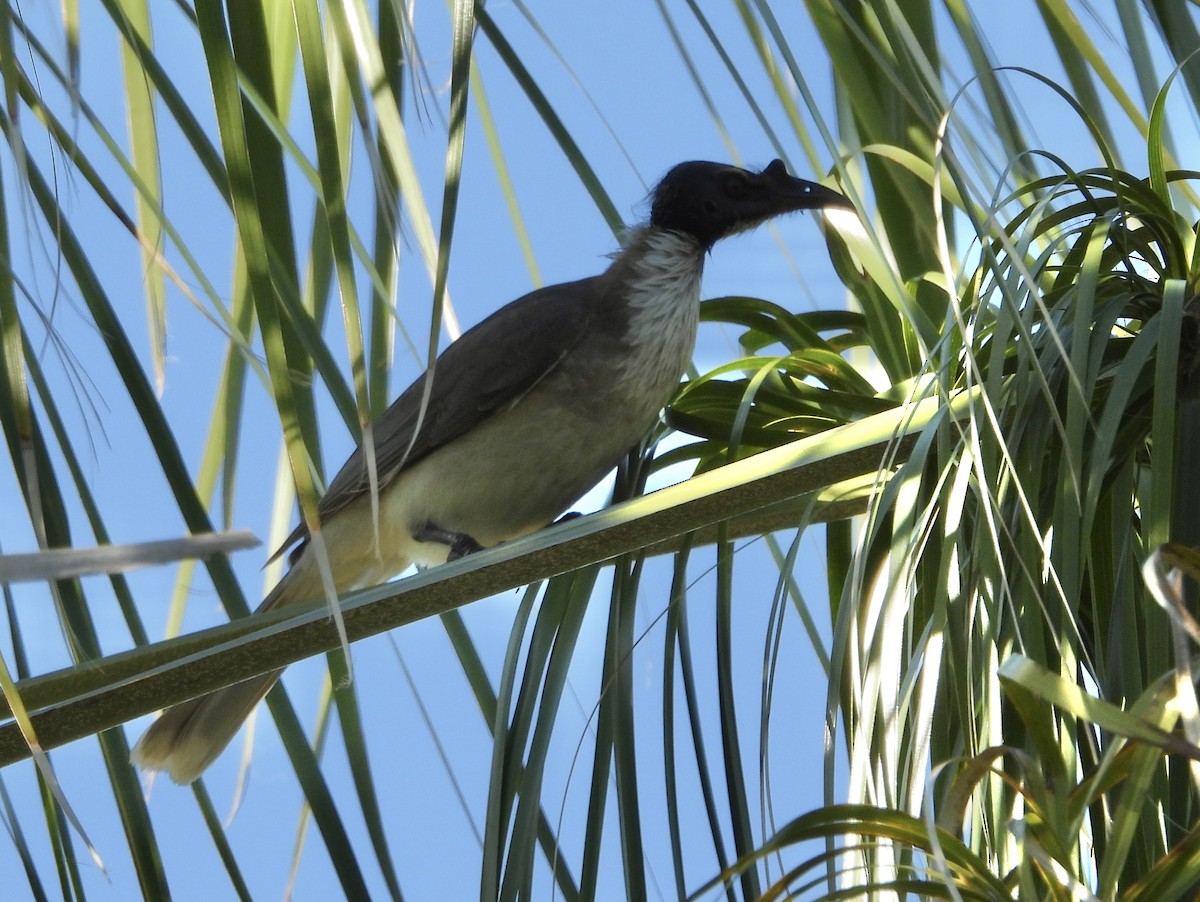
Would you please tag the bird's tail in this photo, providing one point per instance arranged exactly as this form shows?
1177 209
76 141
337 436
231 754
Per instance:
188 737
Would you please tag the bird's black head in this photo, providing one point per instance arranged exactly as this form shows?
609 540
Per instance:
711 201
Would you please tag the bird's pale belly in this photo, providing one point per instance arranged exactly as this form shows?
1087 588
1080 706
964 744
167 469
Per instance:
508 476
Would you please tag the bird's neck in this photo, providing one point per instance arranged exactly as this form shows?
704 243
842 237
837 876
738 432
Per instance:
659 272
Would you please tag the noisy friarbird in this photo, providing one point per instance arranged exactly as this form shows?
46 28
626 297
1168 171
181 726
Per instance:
525 413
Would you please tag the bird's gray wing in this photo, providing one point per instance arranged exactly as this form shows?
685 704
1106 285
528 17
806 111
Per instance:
489 368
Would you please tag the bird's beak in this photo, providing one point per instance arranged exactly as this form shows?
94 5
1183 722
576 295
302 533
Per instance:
789 193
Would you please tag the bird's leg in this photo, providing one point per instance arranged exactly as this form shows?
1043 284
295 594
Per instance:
567 517
460 543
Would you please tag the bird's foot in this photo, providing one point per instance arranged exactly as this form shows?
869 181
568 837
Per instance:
567 517
460 543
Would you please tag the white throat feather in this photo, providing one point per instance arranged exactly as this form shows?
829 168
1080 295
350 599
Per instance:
664 298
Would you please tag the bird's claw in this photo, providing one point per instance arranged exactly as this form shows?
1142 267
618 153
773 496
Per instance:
460 543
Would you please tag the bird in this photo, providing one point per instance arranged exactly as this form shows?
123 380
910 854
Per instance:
525 413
